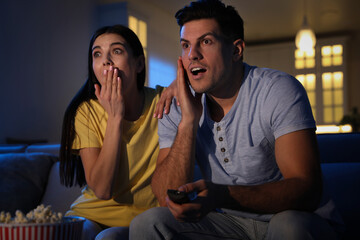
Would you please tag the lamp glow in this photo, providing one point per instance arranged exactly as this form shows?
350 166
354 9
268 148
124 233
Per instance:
305 38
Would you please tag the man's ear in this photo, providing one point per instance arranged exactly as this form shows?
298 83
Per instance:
140 63
239 46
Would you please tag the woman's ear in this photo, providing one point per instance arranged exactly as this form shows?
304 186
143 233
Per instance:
239 46
140 63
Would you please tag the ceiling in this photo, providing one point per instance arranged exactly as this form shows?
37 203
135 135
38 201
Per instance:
268 20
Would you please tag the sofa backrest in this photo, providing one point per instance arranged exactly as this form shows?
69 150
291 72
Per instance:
340 147
51 148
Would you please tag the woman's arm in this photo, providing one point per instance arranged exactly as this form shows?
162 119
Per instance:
101 165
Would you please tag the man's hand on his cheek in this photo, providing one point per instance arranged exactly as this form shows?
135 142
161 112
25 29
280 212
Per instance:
191 107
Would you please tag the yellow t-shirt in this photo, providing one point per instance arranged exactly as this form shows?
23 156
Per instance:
133 194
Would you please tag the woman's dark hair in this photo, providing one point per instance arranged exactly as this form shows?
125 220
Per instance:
230 22
71 168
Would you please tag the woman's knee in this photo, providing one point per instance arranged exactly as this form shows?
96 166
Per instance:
90 230
114 233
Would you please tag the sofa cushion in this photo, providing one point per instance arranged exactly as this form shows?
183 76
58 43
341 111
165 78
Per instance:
342 183
12 148
23 180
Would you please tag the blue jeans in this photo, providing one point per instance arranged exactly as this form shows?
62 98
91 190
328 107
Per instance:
159 223
95 231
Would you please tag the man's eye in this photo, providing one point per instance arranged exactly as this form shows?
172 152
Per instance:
206 41
185 45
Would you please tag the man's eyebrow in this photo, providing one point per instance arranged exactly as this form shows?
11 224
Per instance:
112 44
202 36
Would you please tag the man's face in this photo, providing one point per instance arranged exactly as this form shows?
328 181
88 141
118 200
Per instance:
206 57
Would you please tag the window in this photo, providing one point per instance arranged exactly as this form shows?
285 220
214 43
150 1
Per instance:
139 27
322 73
304 59
309 83
332 55
333 99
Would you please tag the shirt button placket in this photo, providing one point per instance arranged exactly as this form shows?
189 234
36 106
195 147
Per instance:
222 149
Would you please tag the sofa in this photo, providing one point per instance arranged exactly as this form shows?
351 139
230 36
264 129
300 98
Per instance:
30 176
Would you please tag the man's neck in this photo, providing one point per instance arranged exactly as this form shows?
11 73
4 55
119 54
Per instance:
220 103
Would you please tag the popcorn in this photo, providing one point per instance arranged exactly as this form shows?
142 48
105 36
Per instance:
41 214
5 217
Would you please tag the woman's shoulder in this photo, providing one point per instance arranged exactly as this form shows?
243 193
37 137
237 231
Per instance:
157 90
91 105
153 93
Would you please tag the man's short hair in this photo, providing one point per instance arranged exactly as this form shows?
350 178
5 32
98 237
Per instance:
229 20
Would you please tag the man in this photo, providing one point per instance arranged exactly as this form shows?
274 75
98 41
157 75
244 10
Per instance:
252 134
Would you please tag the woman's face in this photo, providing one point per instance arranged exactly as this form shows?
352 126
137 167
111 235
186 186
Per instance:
111 49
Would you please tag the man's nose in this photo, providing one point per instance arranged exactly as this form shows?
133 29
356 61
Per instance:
194 53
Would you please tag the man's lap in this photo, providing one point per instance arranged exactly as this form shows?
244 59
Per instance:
162 225
159 223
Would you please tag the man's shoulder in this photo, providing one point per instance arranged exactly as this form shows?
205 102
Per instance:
174 115
264 79
264 73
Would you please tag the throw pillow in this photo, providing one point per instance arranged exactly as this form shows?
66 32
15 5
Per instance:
23 178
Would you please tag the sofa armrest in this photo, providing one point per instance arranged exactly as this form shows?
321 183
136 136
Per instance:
342 184
57 195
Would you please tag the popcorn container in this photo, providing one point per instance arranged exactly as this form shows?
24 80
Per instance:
70 228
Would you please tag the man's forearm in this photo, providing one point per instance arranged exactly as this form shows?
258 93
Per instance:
295 194
177 167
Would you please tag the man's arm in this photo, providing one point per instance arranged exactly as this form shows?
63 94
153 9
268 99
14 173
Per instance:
300 189
297 157
175 165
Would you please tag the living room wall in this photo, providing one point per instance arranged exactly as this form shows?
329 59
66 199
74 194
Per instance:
44 46
43 49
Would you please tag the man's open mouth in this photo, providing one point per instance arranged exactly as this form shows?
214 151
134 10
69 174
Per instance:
197 70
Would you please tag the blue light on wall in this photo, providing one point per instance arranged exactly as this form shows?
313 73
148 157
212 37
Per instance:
161 72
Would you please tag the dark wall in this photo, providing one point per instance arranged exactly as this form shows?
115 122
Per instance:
43 55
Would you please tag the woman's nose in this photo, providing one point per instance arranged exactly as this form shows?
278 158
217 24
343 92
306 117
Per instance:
107 61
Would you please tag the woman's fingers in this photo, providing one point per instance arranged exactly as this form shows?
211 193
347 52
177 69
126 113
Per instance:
164 103
97 90
119 86
114 84
109 83
111 86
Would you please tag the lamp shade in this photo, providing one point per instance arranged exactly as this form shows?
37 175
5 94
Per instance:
305 38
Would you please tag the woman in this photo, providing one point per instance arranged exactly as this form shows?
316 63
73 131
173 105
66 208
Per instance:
109 138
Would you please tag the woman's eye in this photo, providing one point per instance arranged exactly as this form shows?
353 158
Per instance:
117 51
96 54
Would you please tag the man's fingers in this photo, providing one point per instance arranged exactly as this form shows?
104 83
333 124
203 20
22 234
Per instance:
180 74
